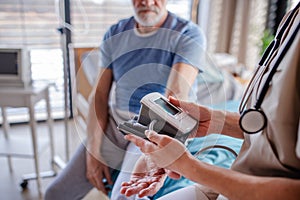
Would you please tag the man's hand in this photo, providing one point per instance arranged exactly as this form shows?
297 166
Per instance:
146 179
96 171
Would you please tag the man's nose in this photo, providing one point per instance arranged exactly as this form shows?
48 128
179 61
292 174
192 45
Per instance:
148 2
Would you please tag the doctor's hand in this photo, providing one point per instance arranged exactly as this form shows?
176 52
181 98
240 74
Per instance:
200 113
96 171
164 151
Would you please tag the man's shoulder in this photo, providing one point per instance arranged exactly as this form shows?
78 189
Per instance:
180 24
177 18
121 26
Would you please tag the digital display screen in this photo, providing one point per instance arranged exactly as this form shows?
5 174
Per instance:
167 106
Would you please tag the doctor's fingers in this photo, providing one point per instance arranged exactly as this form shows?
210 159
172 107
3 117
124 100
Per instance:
199 112
191 108
144 145
159 139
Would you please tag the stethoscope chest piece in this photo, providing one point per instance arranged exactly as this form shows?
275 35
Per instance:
253 120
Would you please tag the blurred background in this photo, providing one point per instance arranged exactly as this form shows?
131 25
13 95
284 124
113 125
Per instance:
49 31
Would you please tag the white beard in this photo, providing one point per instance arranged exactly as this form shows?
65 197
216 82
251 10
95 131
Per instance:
148 20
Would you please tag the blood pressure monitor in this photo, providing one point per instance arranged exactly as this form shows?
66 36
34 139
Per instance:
164 116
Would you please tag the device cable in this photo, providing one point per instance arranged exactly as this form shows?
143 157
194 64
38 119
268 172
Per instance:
215 146
151 125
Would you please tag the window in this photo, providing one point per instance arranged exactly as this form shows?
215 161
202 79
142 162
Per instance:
33 24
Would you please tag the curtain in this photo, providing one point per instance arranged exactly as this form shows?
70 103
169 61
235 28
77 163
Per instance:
234 27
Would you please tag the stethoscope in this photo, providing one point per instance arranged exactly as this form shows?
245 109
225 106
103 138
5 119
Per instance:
254 119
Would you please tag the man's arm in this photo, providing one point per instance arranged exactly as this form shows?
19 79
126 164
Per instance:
98 109
96 124
180 81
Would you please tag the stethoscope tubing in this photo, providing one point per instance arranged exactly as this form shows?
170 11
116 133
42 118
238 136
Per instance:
274 69
271 52
265 59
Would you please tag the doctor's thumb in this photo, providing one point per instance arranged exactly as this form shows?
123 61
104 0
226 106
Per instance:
153 136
